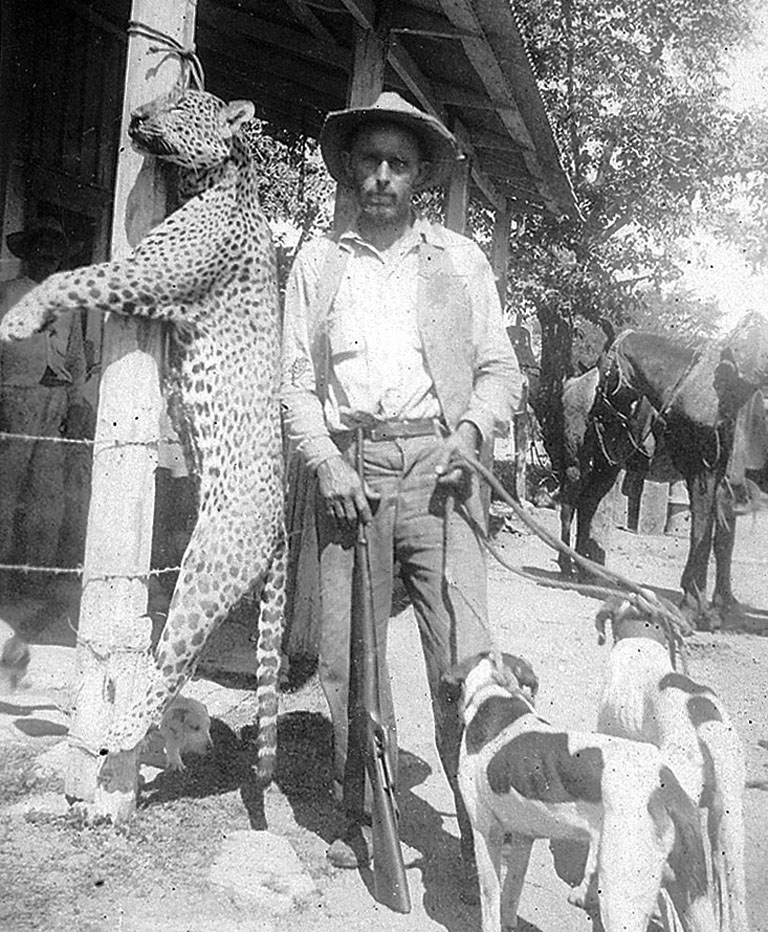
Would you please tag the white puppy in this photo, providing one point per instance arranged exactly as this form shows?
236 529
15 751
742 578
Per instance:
185 729
521 779
644 698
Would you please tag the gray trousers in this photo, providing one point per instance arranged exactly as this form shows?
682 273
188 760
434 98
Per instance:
443 568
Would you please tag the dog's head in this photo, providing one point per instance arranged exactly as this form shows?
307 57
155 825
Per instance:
186 726
628 620
501 671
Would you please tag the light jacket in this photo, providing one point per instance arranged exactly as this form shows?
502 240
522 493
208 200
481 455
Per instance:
467 352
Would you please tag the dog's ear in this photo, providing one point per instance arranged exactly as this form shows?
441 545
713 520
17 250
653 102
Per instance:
459 671
523 672
611 610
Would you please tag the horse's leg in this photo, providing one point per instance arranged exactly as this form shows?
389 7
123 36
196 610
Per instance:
701 492
723 600
601 483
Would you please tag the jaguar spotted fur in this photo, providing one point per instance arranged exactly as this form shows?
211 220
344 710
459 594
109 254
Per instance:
209 269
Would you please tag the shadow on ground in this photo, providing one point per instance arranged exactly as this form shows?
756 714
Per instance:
229 765
745 618
304 775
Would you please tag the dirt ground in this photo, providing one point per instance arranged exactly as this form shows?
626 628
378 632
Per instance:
190 860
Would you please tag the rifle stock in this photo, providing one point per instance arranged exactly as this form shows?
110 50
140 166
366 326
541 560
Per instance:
390 882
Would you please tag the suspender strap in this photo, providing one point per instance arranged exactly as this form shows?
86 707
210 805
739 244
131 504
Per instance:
330 280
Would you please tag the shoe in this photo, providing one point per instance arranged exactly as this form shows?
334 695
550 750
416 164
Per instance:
354 849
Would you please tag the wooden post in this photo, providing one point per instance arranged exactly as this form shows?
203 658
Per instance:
520 423
114 631
457 197
500 251
365 84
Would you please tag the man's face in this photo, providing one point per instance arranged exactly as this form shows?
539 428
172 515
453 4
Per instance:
384 165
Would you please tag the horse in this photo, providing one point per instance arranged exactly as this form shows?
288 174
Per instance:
656 396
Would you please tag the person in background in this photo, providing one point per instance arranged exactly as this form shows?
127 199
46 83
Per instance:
395 325
41 395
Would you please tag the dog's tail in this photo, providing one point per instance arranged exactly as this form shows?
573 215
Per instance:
688 890
725 773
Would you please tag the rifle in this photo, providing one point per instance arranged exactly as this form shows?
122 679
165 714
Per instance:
389 881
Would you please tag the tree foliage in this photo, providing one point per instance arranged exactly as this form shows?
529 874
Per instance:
637 101
296 191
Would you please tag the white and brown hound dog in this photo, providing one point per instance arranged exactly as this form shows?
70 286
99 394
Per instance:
645 699
521 779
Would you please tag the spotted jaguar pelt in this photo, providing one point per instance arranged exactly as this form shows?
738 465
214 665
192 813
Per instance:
209 270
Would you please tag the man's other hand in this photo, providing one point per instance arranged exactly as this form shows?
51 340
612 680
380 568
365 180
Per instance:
452 470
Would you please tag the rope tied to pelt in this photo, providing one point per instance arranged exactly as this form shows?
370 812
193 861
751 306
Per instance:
192 68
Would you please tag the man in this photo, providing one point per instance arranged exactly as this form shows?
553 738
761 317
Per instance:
395 325
41 395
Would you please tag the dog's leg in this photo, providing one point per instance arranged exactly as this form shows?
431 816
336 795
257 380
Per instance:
584 896
489 838
631 855
726 823
517 853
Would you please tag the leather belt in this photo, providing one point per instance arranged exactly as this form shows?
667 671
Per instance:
396 429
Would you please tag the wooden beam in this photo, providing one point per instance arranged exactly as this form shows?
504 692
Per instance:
484 184
483 58
494 142
363 12
365 84
502 226
236 26
502 64
462 14
413 21
114 630
271 77
401 61
310 22
471 100
428 97
414 80
457 198
367 78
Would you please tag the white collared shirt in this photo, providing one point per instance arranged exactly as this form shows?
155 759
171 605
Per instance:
480 384
377 359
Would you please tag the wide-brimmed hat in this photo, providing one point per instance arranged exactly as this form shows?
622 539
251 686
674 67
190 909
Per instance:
440 147
21 243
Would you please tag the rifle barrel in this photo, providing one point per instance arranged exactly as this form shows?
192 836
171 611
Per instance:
390 882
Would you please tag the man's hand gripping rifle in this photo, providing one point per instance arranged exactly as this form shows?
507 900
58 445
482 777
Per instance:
390 883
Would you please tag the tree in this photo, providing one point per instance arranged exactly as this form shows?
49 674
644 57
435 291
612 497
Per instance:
637 100
296 192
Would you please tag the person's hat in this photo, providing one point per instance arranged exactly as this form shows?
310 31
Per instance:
21 243
440 147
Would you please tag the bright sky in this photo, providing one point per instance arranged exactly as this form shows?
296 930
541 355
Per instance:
720 272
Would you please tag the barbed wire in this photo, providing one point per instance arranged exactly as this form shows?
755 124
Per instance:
78 571
109 444
8 435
